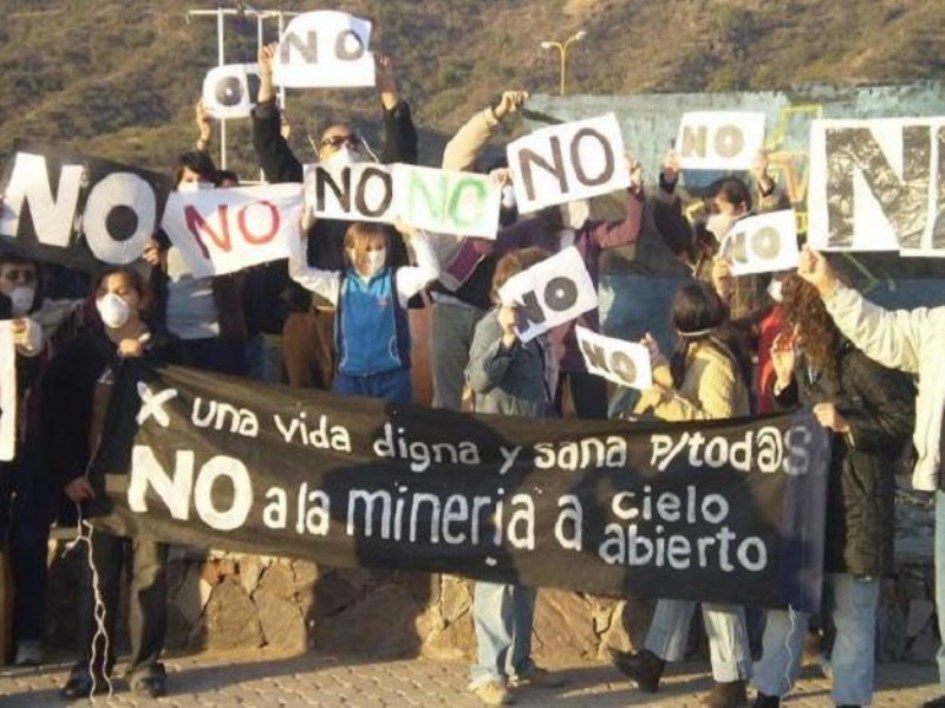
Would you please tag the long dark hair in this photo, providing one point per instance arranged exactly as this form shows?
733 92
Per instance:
699 315
804 310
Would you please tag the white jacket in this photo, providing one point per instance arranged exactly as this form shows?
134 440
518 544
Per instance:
912 341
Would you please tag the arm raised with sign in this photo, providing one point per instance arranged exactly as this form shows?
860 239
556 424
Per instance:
611 234
272 150
400 134
466 146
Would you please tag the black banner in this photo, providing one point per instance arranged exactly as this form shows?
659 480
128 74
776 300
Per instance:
723 511
76 210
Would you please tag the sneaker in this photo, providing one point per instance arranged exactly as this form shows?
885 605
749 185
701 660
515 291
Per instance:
537 677
29 653
149 686
493 693
644 667
729 694
765 701
935 703
79 687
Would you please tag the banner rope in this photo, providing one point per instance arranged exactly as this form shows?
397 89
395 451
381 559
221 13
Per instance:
792 618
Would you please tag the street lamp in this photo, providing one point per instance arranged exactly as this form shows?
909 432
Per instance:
562 48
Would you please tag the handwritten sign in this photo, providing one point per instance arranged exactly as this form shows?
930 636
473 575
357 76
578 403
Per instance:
766 243
624 363
230 91
324 49
446 201
719 140
565 162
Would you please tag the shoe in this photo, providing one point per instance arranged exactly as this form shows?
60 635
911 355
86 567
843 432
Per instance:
935 703
537 677
149 686
763 701
644 667
493 693
29 653
730 694
79 687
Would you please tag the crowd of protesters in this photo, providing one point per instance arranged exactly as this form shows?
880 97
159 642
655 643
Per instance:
338 319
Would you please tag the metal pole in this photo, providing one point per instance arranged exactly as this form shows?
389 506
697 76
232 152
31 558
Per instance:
563 51
220 62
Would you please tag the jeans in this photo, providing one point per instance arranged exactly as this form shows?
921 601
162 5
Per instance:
451 333
940 578
390 386
263 356
725 625
851 603
147 622
503 617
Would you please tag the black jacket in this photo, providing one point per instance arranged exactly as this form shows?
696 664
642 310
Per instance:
879 405
325 241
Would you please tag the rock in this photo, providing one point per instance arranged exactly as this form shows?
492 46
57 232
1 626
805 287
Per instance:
335 591
612 634
920 612
455 598
563 626
250 569
231 618
282 623
278 580
206 589
305 574
382 625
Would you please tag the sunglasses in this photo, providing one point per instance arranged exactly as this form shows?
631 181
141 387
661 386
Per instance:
336 141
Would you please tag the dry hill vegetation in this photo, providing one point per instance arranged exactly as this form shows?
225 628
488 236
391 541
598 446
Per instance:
119 79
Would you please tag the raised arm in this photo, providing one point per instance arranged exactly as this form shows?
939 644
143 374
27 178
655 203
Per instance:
413 279
400 135
467 145
610 234
272 150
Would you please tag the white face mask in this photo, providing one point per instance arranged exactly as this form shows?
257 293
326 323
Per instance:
21 300
194 186
575 213
774 290
343 157
374 261
508 196
719 225
113 310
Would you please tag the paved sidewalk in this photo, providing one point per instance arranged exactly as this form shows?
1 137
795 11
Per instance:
268 680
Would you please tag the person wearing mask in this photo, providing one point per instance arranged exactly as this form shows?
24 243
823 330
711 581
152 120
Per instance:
372 332
307 335
74 398
911 341
707 378
869 409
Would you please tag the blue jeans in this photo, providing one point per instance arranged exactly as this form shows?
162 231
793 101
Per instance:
851 602
940 578
725 625
391 386
503 616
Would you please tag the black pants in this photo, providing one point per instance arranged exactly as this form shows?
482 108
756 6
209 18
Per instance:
147 621
588 394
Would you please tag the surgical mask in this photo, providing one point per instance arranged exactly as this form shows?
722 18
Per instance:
774 290
374 261
194 186
21 299
343 157
719 225
113 310
575 213
508 196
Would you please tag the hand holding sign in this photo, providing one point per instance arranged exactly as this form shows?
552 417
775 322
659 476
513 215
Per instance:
508 317
783 358
386 85
816 270
509 102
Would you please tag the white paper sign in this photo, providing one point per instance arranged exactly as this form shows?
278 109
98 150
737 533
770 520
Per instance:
230 91
765 243
447 201
324 49
875 185
360 192
720 140
221 231
8 397
550 293
624 363
565 162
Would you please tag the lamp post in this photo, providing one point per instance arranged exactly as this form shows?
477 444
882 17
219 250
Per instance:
562 48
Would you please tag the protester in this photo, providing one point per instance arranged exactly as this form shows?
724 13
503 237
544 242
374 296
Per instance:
307 335
75 393
707 378
508 377
372 333
870 411
912 341
554 229
458 304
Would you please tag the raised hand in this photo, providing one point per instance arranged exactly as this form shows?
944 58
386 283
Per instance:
671 167
816 270
783 358
510 102
386 84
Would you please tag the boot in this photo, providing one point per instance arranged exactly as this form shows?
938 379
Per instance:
731 694
644 667
763 701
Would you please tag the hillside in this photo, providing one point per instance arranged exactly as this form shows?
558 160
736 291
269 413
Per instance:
119 79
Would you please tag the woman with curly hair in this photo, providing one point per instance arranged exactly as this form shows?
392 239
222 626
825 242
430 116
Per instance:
870 410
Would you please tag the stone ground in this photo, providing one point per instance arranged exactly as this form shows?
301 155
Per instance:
269 679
